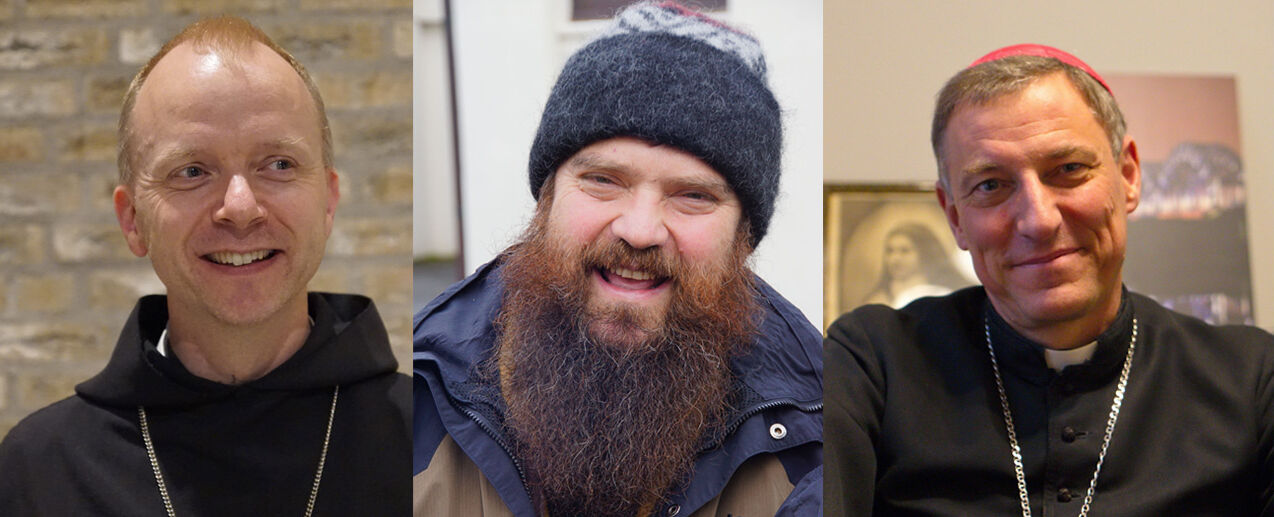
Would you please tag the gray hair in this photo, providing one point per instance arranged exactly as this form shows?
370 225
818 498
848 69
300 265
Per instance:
981 84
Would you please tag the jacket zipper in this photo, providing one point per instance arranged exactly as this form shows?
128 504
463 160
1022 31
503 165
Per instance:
499 440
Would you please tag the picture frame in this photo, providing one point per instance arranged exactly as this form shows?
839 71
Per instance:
870 230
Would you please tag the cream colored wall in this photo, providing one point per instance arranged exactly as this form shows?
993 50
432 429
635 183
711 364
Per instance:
885 61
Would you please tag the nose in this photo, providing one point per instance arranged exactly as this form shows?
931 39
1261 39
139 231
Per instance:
1038 217
239 207
641 223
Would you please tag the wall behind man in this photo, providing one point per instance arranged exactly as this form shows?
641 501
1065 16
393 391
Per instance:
508 55
884 63
67 280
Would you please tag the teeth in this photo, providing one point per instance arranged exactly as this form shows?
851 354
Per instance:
632 275
238 259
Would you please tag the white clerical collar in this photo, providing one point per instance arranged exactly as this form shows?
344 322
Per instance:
162 346
1058 360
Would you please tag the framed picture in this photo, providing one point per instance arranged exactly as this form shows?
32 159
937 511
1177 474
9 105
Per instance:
887 244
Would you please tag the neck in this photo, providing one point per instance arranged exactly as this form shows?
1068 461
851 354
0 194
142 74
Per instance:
1066 334
236 353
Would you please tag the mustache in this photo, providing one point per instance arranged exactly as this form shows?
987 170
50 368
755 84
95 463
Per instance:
618 254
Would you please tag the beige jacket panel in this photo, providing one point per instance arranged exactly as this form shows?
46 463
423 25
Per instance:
453 485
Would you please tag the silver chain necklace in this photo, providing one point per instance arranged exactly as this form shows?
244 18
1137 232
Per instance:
1105 443
163 488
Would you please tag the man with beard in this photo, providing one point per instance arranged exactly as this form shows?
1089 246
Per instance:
237 393
621 358
1050 389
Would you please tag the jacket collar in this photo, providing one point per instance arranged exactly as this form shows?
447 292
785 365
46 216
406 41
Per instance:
347 343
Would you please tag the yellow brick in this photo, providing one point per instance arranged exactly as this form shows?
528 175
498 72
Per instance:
89 242
49 293
27 49
371 237
48 341
89 143
101 181
21 144
21 244
361 5
371 136
311 41
331 277
39 193
21 98
403 40
106 93
392 186
37 391
85 8
222 6
376 88
6 12
119 289
389 285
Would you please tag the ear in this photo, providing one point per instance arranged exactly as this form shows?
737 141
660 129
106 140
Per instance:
333 197
126 214
1130 172
953 216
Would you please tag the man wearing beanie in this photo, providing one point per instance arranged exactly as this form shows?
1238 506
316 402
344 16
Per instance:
1050 389
621 358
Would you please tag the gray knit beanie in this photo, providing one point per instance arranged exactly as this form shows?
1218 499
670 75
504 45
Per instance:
670 76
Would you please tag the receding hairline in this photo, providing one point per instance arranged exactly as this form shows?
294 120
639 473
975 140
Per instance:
233 38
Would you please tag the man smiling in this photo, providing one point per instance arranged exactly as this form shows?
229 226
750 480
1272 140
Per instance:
621 358
1050 389
237 393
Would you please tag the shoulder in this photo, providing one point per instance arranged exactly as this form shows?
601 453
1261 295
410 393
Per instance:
786 357
462 312
1242 345
48 432
871 325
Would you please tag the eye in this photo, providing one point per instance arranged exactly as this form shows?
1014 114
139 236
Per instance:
1073 167
282 164
987 186
190 172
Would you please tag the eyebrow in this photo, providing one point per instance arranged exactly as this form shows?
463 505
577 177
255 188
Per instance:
590 161
1068 151
182 153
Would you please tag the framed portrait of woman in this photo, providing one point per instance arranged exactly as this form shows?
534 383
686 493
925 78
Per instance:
887 244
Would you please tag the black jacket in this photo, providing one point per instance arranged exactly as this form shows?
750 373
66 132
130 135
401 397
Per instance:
250 449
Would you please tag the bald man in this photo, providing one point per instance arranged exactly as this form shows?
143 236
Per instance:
237 393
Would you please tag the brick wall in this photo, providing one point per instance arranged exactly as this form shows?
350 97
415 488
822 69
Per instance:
67 280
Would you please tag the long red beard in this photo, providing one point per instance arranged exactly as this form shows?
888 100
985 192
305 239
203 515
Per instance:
608 405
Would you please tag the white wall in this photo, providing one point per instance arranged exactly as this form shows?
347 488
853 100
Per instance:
508 54
434 212
885 61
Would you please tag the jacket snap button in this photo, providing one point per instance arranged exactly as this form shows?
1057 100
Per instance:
674 510
777 431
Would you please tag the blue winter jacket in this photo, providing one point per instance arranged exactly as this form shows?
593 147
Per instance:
780 378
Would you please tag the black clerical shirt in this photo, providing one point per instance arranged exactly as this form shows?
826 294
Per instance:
914 424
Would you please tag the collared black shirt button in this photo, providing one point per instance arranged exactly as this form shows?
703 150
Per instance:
1068 434
1063 495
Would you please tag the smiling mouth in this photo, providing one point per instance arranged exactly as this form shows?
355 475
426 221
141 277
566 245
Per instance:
229 258
631 279
1045 259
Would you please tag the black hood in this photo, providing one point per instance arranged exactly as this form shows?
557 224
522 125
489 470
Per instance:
347 343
